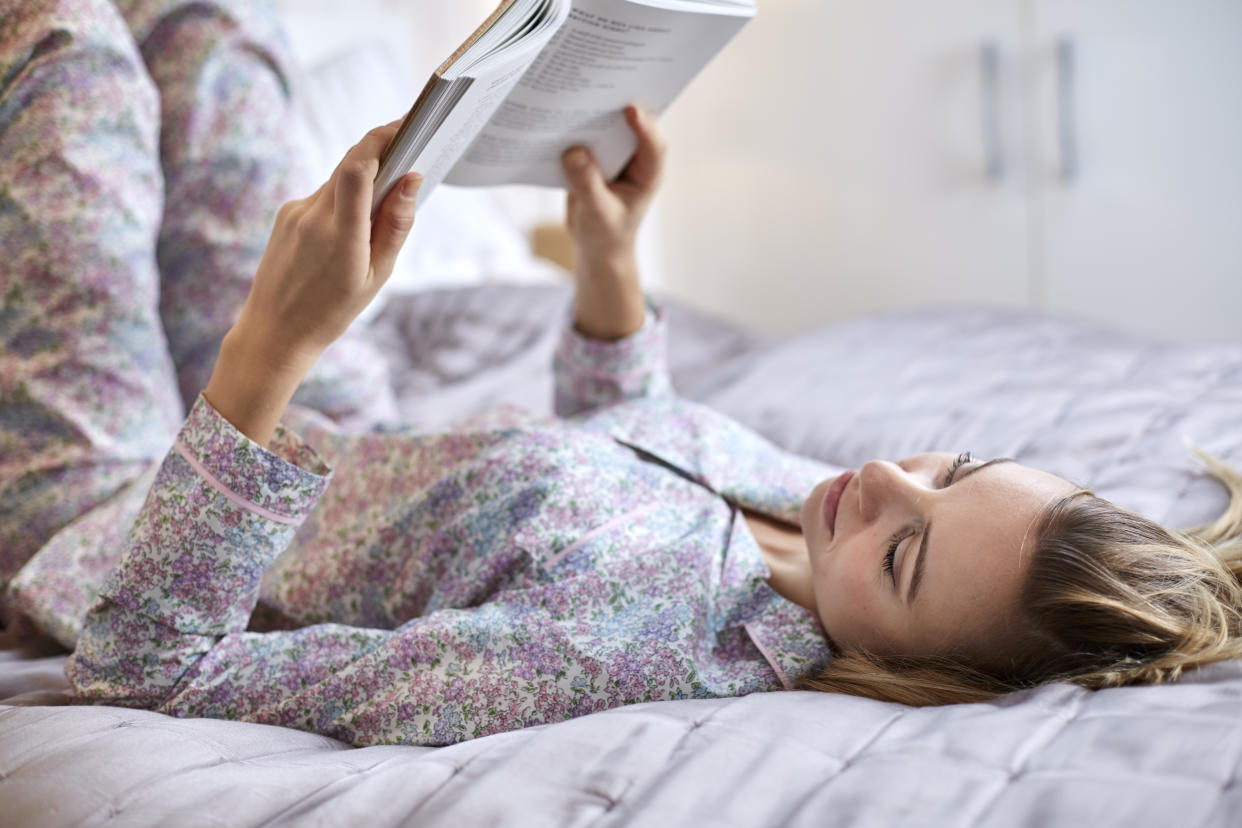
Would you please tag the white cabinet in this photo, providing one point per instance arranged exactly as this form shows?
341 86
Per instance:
1145 227
845 156
832 162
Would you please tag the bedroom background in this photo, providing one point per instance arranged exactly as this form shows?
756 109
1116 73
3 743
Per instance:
865 155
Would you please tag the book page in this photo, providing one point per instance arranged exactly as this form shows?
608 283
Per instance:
606 55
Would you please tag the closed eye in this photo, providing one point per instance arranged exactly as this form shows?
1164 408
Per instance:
962 459
920 563
888 562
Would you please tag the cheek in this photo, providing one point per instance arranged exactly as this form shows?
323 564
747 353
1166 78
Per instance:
845 593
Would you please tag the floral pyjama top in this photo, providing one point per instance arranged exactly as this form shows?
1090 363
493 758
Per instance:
386 586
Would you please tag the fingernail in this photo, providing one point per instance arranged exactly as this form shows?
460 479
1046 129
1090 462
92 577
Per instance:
410 188
577 158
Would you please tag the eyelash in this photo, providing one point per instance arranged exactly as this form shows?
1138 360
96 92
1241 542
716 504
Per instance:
962 459
890 558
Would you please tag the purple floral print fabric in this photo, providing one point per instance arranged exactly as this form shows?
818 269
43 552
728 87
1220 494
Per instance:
382 586
444 587
144 151
88 392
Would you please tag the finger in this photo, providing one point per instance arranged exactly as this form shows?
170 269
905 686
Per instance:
349 196
392 225
586 179
647 163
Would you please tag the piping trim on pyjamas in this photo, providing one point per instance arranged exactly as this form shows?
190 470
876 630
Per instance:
211 480
590 536
766 653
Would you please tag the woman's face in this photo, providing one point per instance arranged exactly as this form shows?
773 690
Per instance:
963 531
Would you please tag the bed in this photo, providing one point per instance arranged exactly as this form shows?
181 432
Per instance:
1098 407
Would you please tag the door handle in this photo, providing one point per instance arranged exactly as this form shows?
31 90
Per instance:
990 110
1067 116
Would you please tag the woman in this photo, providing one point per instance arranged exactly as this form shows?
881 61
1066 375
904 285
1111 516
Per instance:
430 589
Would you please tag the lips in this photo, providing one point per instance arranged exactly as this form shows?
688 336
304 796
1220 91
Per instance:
832 499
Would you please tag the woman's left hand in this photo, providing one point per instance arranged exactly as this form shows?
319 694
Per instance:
324 263
603 217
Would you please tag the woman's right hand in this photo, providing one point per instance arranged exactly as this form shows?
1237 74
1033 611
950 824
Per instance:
324 263
326 260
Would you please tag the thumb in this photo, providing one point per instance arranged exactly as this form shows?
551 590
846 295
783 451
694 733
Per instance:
393 223
586 179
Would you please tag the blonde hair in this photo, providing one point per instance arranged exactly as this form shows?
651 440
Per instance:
1111 599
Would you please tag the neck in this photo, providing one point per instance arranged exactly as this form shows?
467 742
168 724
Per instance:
784 551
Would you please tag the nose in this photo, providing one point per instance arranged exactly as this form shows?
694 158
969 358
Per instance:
880 484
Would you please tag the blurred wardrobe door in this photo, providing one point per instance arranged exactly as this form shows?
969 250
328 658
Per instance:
843 156
1138 170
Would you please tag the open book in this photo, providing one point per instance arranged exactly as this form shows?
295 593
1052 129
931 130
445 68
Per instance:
540 76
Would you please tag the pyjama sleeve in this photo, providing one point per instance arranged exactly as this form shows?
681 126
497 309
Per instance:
220 510
592 374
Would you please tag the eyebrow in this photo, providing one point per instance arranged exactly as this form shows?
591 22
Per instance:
917 579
